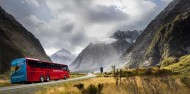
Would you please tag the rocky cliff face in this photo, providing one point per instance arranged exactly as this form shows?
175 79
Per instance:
17 42
63 56
168 35
104 53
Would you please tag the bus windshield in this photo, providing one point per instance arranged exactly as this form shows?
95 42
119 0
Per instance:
15 68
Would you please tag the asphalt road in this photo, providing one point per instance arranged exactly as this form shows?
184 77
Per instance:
45 83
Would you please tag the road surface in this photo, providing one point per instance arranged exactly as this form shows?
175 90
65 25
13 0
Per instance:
45 83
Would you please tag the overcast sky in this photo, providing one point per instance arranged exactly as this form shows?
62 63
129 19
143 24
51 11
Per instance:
73 24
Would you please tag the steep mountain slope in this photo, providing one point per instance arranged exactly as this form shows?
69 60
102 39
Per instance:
167 36
124 39
63 56
104 53
17 42
182 66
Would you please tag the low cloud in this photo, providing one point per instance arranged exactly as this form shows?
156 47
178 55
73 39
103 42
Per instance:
73 24
32 2
105 15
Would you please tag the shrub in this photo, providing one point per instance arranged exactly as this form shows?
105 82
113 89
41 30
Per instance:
100 88
163 72
141 71
153 71
91 89
158 65
148 71
169 61
106 74
80 86
130 73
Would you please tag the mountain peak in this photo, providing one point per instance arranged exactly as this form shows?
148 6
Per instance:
63 50
63 56
104 53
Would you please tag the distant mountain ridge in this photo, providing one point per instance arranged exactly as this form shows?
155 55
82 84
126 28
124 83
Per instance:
63 56
17 42
167 36
104 53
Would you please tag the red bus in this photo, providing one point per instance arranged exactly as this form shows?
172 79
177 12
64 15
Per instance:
34 70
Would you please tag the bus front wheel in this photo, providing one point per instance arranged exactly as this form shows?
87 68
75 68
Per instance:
47 78
41 78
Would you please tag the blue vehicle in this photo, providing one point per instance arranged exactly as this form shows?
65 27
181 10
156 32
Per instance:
18 70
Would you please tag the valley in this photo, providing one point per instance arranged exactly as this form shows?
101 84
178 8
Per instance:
155 60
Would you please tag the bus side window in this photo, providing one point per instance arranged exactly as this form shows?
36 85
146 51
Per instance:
59 67
47 65
52 66
64 68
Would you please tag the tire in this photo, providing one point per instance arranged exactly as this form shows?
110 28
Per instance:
47 78
41 78
65 77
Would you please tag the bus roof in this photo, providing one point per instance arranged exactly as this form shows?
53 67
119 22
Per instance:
42 61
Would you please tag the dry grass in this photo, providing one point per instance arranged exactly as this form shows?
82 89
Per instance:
154 85
129 85
4 80
4 83
67 88
75 75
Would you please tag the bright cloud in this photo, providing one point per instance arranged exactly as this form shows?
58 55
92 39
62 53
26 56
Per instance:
73 24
